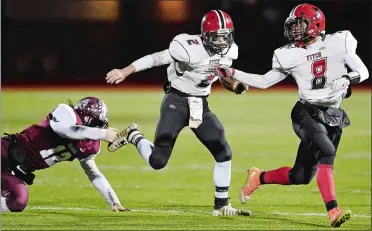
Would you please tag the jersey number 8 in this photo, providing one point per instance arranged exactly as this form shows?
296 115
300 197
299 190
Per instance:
318 69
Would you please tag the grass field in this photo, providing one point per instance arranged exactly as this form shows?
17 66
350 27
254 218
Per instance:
259 130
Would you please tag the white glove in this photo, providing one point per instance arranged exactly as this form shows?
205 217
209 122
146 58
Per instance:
119 208
111 134
119 141
340 84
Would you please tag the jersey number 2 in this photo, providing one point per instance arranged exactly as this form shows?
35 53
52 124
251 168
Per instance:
319 68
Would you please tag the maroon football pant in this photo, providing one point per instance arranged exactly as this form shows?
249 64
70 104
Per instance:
12 188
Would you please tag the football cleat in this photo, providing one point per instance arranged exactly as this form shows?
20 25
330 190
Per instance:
337 216
119 141
253 183
229 211
132 133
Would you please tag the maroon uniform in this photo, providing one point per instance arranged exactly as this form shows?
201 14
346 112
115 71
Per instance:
44 147
65 134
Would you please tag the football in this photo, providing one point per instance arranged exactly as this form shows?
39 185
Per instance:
233 85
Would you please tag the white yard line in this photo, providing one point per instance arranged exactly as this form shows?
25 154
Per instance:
182 211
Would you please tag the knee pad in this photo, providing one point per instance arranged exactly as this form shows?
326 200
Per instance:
18 202
19 205
224 154
324 145
329 160
158 162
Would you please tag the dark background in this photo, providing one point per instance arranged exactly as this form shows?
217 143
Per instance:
79 41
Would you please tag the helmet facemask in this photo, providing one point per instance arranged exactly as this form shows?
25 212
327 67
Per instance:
94 122
296 30
219 42
93 112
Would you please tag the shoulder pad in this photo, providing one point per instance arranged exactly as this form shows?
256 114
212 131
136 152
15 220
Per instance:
187 48
344 40
286 57
64 114
233 52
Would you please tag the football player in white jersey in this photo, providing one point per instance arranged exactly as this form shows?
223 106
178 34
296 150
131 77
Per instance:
193 60
317 62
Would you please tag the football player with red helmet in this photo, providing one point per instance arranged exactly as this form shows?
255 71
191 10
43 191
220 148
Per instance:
66 133
318 62
192 60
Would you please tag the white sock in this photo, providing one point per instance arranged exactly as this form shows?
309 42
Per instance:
222 178
144 148
4 207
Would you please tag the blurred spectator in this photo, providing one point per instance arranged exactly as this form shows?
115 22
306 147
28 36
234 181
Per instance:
23 64
50 62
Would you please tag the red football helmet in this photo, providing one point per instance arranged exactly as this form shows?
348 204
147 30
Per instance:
217 31
93 112
304 23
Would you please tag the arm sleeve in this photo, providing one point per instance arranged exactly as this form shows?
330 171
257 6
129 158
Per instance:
359 70
260 81
153 60
63 122
99 180
267 80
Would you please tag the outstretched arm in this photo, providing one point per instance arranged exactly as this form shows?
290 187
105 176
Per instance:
260 81
156 59
63 122
101 183
272 77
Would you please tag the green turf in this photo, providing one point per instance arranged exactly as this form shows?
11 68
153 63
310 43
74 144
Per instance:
258 128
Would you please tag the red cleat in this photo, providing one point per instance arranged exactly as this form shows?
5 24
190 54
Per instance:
337 216
253 183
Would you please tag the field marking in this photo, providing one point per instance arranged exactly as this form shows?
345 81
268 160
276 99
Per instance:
182 211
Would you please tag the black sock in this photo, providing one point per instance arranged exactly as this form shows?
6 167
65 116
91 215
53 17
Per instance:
262 181
331 205
220 202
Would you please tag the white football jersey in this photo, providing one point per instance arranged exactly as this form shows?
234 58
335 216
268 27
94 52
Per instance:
316 66
193 69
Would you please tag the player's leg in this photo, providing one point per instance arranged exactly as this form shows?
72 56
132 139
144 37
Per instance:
173 118
302 172
326 140
326 185
14 193
212 134
304 169
312 135
325 179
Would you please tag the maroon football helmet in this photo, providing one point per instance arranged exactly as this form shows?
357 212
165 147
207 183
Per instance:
93 112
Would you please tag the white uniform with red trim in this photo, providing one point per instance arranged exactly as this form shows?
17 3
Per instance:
314 68
192 67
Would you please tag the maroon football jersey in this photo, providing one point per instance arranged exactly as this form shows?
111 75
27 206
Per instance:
45 147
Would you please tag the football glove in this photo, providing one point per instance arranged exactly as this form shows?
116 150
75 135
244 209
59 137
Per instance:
119 208
340 84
